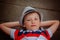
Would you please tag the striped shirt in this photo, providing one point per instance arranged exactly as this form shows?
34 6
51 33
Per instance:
31 35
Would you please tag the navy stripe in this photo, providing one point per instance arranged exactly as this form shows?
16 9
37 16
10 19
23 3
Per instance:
26 33
37 32
45 33
20 33
33 32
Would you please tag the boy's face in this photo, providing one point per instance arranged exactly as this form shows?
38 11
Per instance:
32 21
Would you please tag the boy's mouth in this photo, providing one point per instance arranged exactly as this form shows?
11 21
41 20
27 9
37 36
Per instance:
33 25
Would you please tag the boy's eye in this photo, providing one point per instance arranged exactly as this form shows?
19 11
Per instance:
36 19
28 20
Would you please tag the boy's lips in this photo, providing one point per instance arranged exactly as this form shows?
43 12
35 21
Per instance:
33 25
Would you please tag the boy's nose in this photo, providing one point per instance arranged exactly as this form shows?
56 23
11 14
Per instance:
32 22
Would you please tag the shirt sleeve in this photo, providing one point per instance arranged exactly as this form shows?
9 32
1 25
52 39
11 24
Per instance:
49 32
12 33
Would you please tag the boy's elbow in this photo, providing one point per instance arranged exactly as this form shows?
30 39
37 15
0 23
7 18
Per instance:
57 21
2 24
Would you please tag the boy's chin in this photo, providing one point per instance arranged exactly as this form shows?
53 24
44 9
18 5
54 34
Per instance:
34 29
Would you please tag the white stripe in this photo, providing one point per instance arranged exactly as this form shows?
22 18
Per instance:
35 38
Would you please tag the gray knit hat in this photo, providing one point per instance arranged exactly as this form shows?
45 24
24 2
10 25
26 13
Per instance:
26 11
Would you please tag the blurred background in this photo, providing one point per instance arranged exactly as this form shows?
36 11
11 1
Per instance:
10 10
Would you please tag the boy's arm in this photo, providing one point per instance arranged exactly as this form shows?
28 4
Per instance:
11 24
52 23
6 27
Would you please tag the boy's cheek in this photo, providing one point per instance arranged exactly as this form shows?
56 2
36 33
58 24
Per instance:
28 23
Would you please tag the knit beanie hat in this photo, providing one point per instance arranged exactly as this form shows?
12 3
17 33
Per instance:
26 10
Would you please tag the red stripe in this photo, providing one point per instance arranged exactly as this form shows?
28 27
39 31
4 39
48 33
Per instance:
48 35
30 35
20 37
16 34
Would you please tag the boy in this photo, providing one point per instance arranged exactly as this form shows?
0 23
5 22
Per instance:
31 22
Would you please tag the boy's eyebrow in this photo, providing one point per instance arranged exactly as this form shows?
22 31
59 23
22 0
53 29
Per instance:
30 18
